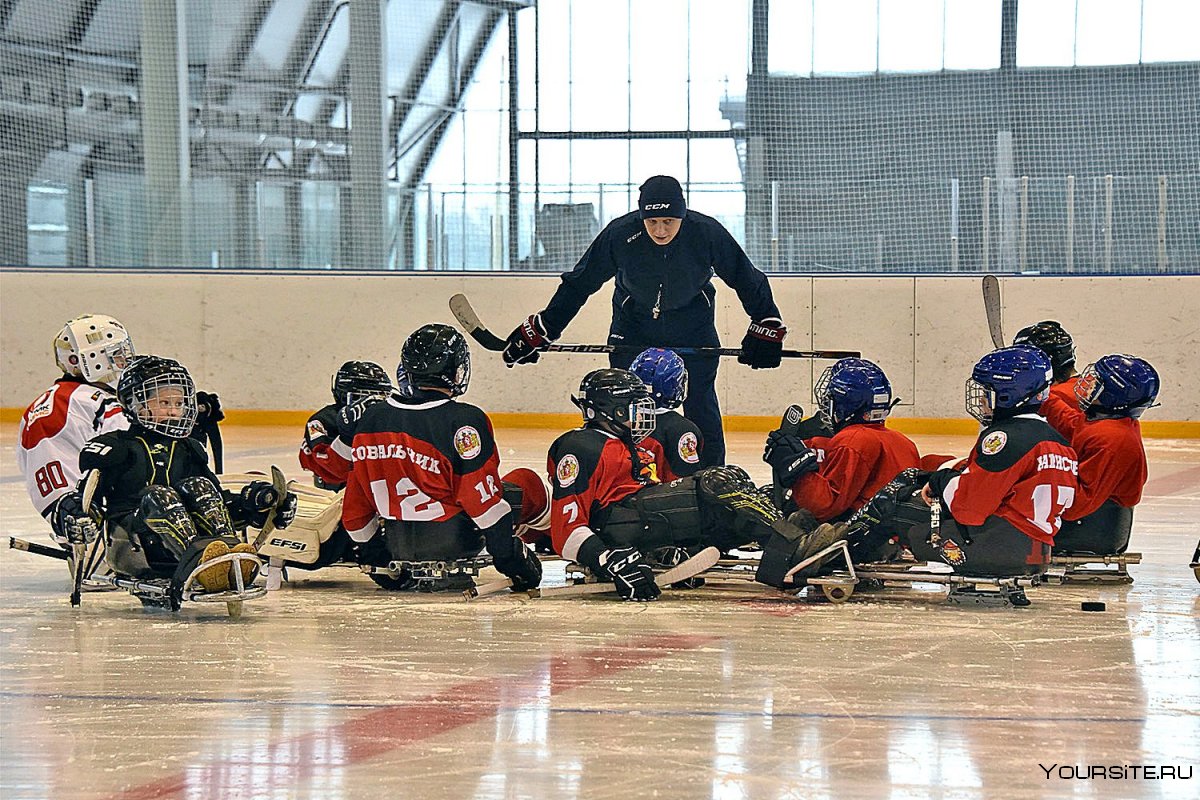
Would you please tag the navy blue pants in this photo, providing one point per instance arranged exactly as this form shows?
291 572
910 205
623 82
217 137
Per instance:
700 406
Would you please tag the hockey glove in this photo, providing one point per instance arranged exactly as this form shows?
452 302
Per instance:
763 344
525 342
628 569
348 417
514 560
256 500
789 457
939 479
209 407
71 523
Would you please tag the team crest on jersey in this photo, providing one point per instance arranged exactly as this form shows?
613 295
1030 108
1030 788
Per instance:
41 407
468 442
315 429
567 470
993 443
689 448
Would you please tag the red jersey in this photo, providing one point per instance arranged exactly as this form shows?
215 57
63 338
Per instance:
858 461
1112 464
1065 391
1063 414
1020 470
317 452
424 461
589 471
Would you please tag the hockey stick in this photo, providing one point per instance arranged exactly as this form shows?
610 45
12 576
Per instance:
279 484
1196 561
79 550
460 306
705 559
37 549
991 305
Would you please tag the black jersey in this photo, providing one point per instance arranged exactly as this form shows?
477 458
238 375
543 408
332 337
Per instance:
681 444
664 293
423 460
317 454
133 459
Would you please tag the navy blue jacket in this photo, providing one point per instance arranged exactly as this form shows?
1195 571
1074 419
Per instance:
664 294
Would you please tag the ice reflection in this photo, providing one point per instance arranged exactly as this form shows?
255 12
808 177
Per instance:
919 760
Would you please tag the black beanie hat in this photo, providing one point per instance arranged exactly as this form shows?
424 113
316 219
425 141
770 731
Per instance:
661 196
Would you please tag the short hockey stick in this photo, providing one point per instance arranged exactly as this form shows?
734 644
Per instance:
1196 562
279 484
460 306
79 550
790 423
991 305
37 549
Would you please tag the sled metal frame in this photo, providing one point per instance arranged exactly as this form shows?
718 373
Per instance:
1082 568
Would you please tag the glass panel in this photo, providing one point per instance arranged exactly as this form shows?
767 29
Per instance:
846 37
1108 32
972 34
790 47
910 35
1046 34
1169 30
658 62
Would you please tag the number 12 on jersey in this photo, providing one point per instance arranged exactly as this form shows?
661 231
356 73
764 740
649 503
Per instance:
412 505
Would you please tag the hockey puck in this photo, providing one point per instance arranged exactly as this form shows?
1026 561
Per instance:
1092 605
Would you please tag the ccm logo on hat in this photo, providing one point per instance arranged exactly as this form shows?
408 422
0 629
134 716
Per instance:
657 206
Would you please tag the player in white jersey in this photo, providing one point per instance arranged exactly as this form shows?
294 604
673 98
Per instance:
91 351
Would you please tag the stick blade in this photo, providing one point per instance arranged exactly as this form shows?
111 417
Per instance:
992 307
461 308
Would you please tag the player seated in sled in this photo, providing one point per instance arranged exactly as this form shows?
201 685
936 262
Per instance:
1001 511
424 486
159 506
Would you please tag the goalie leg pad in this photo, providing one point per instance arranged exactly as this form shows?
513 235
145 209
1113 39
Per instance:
734 510
1104 532
657 516
207 507
452 540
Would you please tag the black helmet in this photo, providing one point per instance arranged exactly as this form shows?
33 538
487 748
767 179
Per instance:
1049 337
616 401
436 355
141 394
355 380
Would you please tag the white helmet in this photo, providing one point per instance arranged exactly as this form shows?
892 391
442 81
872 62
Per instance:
94 347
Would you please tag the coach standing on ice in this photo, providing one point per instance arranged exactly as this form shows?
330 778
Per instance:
664 257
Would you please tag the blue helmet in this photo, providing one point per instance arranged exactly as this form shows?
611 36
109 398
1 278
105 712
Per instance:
851 387
664 372
1118 385
1009 380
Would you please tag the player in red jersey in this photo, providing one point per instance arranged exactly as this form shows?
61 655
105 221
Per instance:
1052 339
1004 507
1113 393
424 482
839 474
354 381
609 510
677 440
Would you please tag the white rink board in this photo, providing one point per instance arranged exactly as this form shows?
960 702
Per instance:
269 341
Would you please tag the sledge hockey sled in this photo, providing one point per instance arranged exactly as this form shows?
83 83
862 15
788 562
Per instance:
159 592
1091 568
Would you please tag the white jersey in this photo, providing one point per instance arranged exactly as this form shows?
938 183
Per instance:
53 431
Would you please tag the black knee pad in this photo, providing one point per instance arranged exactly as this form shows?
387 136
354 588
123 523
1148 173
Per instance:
657 516
735 511
204 501
164 515
513 495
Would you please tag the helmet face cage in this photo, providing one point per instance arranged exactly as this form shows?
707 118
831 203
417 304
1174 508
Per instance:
356 380
94 347
1118 385
164 402
665 373
979 401
616 401
641 418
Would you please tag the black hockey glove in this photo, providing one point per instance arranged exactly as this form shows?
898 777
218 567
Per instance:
763 344
939 479
256 500
514 560
71 523
789 457
348 417
525 341
627 568
209 407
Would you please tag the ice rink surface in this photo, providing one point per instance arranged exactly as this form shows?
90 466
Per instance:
332 688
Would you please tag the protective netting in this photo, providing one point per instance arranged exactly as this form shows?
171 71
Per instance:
827 135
